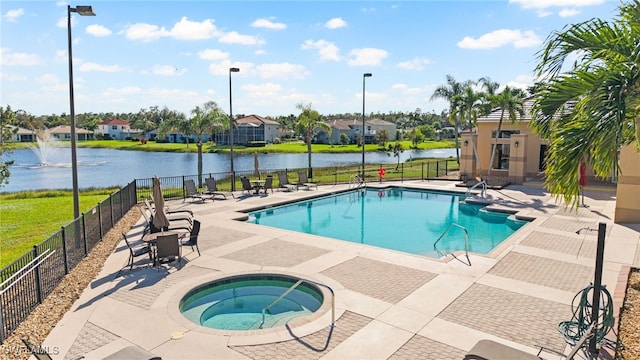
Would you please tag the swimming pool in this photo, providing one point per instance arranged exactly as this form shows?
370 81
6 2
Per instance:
239 302
400 219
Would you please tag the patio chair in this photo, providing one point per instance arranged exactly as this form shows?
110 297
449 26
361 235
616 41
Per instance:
168 247
283 180
304 181
149 228
193 237
212 188
246 185
268 184
192 192
134 252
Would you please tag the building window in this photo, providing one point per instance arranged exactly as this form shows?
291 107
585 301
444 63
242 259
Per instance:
504 134
114 127
501 158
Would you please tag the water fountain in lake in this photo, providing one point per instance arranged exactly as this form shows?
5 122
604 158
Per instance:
45 150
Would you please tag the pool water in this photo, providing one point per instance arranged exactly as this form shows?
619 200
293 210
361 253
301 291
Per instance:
237 303
400 219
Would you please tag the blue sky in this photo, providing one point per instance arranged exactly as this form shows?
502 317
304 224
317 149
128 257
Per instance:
137 54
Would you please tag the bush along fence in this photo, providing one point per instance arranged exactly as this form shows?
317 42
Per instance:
25 283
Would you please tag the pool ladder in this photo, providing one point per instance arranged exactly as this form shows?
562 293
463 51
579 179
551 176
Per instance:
466 244
483 192
356 182
293 287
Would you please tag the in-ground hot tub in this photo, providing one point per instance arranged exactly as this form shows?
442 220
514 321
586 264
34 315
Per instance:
250 302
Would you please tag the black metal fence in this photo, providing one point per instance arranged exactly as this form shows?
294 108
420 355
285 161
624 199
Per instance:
26 282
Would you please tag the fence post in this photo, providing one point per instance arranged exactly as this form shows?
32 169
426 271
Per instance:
111 210
446 167
64 250
402 172
84 235
100 221
37 275
437 169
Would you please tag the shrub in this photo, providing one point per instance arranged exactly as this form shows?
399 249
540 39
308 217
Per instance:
256 144
276 140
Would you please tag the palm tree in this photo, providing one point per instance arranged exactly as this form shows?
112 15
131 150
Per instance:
309 120
203 120
511 102
592 108
451 92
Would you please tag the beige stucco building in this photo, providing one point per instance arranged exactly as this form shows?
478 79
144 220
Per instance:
521 156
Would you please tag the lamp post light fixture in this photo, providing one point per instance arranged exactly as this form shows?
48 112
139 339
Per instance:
83 11
233 174
364 76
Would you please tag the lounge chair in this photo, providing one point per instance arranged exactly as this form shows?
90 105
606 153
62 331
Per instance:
186 215
167 210
134 252
149 228
491 350
212 188
268 184
283 180
193 237
168 247
192 192
304 181
132 353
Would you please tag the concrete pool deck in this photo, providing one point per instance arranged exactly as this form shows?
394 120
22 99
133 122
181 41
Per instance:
389 305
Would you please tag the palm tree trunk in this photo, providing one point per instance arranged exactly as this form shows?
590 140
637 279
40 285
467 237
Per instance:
457 134
495 144
199 145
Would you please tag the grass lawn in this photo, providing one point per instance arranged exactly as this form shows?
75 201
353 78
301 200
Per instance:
293 147
28 218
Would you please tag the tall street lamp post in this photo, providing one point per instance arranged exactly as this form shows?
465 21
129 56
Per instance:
233 174
84 11
364 76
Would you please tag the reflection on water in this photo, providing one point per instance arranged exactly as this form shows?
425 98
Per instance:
107 167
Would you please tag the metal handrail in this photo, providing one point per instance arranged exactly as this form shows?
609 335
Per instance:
291 288
38 260
483 193
466 243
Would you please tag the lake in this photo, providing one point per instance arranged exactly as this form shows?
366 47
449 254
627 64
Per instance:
107 167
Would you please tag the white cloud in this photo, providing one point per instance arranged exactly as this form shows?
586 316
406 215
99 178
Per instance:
282 71
168 70
213 54
193 30
565 13
235 38
48 79
144 32
406 90
222 68
520 82
89 66
13 77
414 64
367 56
268 24
18 59
543 4
502 37
98 30
335 23
13 15
326 50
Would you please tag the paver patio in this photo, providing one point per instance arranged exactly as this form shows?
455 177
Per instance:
389 304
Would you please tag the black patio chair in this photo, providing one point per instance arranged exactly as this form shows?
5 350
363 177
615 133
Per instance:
193 237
